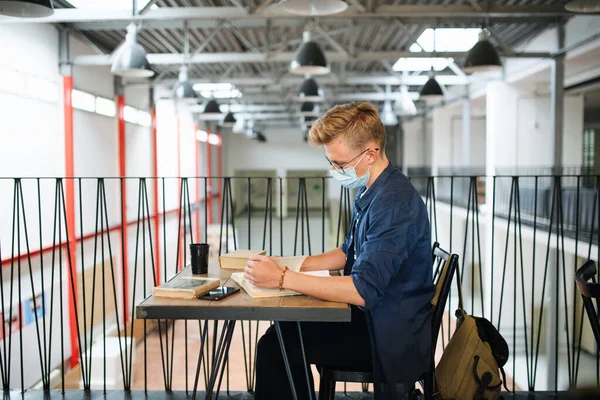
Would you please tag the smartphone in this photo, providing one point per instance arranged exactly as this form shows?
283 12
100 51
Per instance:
219 293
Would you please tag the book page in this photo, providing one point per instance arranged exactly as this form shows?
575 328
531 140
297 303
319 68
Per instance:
256 292
186 283
292 262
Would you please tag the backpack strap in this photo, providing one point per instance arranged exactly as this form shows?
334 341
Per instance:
483 383
504 379
459 286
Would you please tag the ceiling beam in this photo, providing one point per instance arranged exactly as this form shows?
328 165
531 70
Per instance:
75 15
372 96
293 80
463 22
254 57
254 116
276 104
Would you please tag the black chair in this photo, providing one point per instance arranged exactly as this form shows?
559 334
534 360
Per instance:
444 268
589 290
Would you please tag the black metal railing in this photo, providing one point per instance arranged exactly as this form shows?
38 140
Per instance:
78 254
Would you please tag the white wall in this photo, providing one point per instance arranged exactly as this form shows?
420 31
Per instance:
32 145
519 128
285 150
416 145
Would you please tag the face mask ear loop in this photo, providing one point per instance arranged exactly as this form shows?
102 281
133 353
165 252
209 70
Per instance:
358 162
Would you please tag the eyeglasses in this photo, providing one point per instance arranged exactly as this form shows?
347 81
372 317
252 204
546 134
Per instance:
340 167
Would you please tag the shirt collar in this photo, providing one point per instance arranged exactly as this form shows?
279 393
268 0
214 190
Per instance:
367 195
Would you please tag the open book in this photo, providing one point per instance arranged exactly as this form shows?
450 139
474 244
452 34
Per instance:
186 287
293 264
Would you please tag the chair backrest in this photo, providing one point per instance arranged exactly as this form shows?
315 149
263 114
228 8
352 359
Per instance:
444 268
589 290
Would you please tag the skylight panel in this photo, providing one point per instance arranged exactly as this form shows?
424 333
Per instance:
446 39
217 90
421 64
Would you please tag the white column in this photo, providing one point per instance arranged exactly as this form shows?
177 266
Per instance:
466 129
557 94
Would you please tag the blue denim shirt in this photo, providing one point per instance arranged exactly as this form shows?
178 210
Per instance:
388 256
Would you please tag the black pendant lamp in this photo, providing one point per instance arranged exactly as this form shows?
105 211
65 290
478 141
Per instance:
483 57
129 60
308 121
212 109
309 109
310 91
260 137
305 131
26 8
313 7
183 91
582 6
309 59
432 89
229 120
388 116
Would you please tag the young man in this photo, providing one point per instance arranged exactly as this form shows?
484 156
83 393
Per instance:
387 277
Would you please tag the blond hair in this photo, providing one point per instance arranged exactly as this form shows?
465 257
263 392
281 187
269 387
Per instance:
355 123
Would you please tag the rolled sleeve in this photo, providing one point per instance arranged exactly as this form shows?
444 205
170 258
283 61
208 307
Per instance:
389 238
371 274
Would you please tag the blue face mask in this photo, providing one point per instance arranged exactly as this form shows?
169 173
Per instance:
349 178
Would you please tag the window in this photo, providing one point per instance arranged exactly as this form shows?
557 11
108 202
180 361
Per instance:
106 107
130 114
144 118
83 101
28 86
202 136
41 89
11 81
213 139
588 148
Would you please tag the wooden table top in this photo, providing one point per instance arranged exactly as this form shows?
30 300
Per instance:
240 306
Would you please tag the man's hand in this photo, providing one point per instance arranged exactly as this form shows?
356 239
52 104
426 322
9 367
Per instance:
263 272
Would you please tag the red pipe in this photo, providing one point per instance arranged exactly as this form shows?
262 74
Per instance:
197 197
70 212
180 233
63 245
220 167
155 196
209 182
122 174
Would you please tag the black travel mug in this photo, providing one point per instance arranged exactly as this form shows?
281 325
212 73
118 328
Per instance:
199 256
